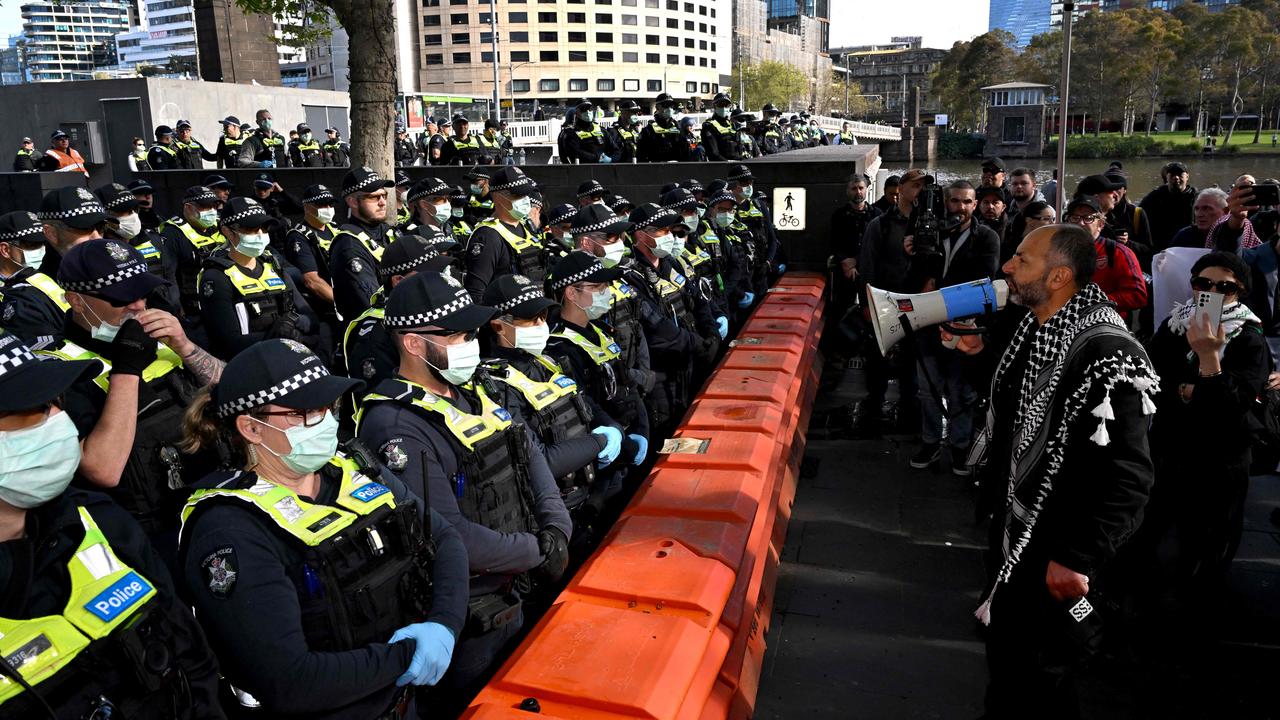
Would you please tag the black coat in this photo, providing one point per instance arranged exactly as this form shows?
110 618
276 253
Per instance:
1168 213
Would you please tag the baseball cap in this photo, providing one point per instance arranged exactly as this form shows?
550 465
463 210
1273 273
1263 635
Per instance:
217 181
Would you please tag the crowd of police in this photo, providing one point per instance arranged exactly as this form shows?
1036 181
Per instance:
363 448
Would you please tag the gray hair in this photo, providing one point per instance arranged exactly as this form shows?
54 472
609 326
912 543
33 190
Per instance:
1215 193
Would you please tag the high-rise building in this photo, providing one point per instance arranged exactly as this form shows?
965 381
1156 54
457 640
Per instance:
792 32
234 45
1213 5
1024 19
69 40
11 72
888 73
165 37
560 53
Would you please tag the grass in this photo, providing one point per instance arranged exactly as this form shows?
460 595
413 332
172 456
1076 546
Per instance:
1241 142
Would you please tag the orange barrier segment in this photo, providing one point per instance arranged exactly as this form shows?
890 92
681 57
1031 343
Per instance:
668 619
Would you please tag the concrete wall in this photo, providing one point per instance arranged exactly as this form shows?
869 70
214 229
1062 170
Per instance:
205 104
919 146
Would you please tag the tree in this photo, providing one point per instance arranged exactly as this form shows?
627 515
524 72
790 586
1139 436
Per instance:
1161 34
772 82
832 97
967 68
1239 31
370 25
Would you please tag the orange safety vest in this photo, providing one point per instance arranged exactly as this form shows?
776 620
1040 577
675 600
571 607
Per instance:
69 161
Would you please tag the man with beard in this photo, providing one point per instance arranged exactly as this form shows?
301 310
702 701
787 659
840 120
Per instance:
1129 223
1066 472
1169 207
993 212
1022 190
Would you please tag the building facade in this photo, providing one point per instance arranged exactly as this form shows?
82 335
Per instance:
165 37
235 46
792 32
11 70
1015 119
1024 19
888 75
69 40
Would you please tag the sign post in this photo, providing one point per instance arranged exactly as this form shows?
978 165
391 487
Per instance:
789 208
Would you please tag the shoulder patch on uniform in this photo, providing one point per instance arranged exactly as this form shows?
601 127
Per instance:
9 311
207 289
367 369
356 266
394 456
477 247
220 570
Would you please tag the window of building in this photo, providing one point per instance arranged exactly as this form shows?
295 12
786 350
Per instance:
653 85
651 3
630 57
673 23
577 56
688 60
577 37
702 27
702 44
604 56
652 58
486 38
673 41
628 3
548 36
458 19
673 4
604 18
630 86
688 25
691 87
673 59
702 62
653 40
460 38
520 56
546 17
519 36
549 86
577 85
576 18
629 20
548 56
706 88
651 21
457 2
604 37
702 9
484 18
1015 130
462 58
431 21
688 7
630 39
688 43
518 17
603 85
432 40
519 86
604 2
434 58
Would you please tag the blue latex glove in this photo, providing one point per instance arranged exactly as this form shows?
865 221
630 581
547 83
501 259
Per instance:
612 443
722 326
747 299
642 443
605 158
432 651
782 268
267 164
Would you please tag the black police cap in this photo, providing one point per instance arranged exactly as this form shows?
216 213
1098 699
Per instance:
28 382
140 187
518 296
21 226
244 212
679 199
739 172
428 187
217 181
651 215
512 179
590 187
580 267
434 300
74 206
277 372
363 180
417 251
264 181
117 198
562 213
108 269
202 196
596 219
318 195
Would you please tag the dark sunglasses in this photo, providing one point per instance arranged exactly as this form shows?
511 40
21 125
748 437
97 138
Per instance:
470 334
1204 284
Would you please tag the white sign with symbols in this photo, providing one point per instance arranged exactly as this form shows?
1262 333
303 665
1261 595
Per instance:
788 208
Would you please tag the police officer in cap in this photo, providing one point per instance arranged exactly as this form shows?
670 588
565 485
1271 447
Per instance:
744 124
504 244
621 138
326 587
306 150
459 226
770 135
437 423
402 194
585 144
130 415
405 152
515 345
70 215
696 259
729 244
719 138
308 243
360 241
336 152
479 200
194 236
557 234
25 159
92 623
230 144
124 223
461 148
164 154
191 154
369 350
591 191
754 213
142 190
32 305
263 146
245 294
220 186
660 140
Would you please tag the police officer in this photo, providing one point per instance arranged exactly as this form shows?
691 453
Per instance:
264 147
585 143
62 551
428 204
220 186
620 139
731 247
436 422
124 223
698 264
846 135
32 305
367 345
25 159
546 397
360 241
193 236
325 586
503 244
495 146
744 124
719 138
336 152
164 154
461 148
582 345
591 191
770 135
145 194
306 150
191 154
245 294
130 415
619 205
70 215
402 197
307 246
479 202
230 144
459 226
660 140
557 234
405 152
754 213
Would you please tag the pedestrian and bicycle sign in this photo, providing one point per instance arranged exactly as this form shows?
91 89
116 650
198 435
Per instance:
788 208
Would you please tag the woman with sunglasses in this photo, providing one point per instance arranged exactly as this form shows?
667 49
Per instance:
81 589
309 568
1210 377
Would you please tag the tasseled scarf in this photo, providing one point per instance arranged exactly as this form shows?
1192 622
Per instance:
1040 436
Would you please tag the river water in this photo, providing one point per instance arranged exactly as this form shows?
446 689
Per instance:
1144 173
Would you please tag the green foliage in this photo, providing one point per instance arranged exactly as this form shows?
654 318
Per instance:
1112 145
773 82
307 21
969 66
954 145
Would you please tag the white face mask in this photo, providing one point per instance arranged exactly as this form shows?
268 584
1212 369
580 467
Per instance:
662 245
37 463
600 304
207 219
130 226
690 222
463 359
252 245
532 340
33 258
565 238
443 212
613 254
102 330
456 212
520 207
325 214
310 448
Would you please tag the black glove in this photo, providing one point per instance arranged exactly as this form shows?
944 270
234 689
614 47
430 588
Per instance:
285 328
554 547
707 350
132 350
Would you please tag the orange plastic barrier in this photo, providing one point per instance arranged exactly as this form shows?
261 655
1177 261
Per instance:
669 617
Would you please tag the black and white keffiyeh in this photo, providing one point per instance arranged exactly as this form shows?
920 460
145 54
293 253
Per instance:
1041 435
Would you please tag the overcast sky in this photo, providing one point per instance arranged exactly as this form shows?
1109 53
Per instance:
941 22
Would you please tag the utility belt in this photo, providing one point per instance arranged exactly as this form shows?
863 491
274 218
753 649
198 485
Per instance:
492 611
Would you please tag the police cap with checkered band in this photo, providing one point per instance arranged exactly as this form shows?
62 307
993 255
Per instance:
363 180
117 198
73 206
417 251
247 213
581 267
28 382
517 296
109 269
434 300
22 227
277 372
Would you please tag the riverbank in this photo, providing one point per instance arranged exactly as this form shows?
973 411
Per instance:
1166 144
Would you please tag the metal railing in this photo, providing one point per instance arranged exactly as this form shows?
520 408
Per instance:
545 132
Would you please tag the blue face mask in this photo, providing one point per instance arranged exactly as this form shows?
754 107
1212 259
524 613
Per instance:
37 463
520 208
309 447
443 212
253 245
476 190
724 219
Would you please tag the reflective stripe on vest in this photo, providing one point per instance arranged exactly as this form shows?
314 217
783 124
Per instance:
594 132
195 238
749 210
673 130
166 362
105 593
540 395
374 249
620 292
724 130
310 523
250 287
377 311
603 353
148 250
466 428
312 146
519 243
51 289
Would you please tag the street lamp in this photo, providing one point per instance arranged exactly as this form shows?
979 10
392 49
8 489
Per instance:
496 113
1068 14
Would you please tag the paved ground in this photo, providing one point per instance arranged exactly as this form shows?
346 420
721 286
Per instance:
881 574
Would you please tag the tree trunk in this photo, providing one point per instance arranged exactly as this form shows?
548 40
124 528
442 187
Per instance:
370 25
1262 110
1237 106
1151 106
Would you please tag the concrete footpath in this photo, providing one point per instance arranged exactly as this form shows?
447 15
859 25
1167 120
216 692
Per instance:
881 574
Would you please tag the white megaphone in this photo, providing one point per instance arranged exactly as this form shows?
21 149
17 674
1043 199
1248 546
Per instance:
893 314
